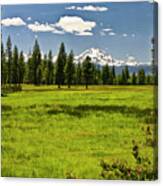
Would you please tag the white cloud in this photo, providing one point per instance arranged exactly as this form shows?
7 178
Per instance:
29 18
88 8
75 25
38 27
131 58
84 34
71 24
71 8
124 35
55 31
14 21
112 33
107 29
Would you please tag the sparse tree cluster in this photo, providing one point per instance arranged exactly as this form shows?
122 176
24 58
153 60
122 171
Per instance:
42 70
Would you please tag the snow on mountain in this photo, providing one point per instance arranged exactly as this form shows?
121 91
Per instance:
101 58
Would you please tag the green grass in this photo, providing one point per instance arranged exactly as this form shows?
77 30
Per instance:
52 133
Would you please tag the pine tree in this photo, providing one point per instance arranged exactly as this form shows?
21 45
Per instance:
113 74
50 74
78 74
15 67
3 66
111 78
9 60
149 79
141 77
39 75
69 69
134 79
44 70
30 69
124 78
127 75
60 63
105 74
96 75
87 71
36 62
21 68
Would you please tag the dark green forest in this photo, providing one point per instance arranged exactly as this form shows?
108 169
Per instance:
40 70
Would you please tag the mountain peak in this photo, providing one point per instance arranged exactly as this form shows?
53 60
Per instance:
98 56
101 58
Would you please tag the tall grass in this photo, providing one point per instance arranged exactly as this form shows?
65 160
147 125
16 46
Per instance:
64 133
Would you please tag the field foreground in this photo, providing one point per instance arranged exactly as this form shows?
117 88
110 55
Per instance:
66 133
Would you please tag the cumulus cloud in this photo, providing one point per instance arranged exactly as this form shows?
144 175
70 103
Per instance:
66 24
38 27
75 25
84 34
106 31
112 33
88 8
56 31
29 18
131 58
125 35
14 21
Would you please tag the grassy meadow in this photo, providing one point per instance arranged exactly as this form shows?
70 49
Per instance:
65 133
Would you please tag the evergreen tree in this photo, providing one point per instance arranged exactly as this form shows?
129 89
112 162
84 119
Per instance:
111 79
134 79
93 81
30 69
21 68
50 74
127 72
124 78
44 70
127 75
69 69
3 66
149 79
79 74
141 77
87 71
9 60
105 74
60 63
96 75
15 67
36 62
114 74
39 75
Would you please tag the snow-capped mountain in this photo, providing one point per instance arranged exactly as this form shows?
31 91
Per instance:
101 58
97 56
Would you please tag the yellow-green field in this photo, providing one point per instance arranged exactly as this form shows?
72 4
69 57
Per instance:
47 132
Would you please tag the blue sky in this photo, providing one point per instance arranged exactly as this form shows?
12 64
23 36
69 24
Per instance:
120 29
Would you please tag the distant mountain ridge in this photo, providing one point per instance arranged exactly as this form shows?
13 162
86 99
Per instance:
101 58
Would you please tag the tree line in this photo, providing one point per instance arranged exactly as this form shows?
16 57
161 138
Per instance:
40 70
